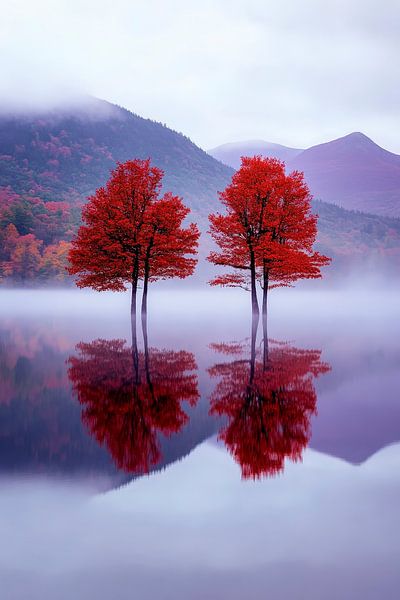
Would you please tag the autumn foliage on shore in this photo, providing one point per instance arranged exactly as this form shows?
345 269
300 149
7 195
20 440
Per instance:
133 232
34 239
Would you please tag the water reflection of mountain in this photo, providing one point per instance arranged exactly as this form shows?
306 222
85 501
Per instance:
41 428
132 401
359 404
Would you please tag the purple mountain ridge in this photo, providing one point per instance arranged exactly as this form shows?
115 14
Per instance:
352 171
230 154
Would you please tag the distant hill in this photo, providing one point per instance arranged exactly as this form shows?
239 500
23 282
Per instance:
368 242
67 154
354 173
230 153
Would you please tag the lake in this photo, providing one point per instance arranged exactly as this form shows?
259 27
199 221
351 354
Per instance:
203 461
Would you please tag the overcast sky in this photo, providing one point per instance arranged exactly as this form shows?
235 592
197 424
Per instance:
297 72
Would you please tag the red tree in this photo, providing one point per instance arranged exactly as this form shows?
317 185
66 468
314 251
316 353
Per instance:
268 401
286 253
167 243
110 248
268 230
130 398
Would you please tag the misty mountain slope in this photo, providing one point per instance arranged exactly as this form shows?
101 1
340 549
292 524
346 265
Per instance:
67 154
230 153
360 245
354 238
354 173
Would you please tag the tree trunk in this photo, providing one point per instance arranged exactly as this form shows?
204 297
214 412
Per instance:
265 341
146 275
254 301
146 352
265 290
145 290
135 276
133 313
133 296
254 326
145 337
135 353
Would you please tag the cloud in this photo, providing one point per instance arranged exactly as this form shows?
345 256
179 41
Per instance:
222 70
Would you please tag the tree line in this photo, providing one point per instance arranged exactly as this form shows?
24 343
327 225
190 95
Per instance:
34 238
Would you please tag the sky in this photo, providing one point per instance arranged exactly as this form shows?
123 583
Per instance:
291 72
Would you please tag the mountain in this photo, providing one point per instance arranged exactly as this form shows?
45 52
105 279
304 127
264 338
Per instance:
230 153
354 173
66 154
42 428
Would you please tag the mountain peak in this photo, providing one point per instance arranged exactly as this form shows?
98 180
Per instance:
358 136
231 152
353 172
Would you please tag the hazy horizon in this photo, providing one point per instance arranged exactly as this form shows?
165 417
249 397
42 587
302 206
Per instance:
217 71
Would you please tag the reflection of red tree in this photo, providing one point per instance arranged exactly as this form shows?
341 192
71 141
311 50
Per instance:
268 401
130 398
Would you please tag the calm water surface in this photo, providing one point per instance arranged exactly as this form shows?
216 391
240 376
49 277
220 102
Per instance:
201 462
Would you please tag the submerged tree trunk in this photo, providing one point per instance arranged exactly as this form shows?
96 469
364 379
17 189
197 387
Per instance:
254 326
147 354
146 276
265 289
135 277
135 353
133 313
145 339
265 341
254 301
145 290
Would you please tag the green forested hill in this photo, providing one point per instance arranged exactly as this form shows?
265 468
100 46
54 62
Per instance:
50 162
66 155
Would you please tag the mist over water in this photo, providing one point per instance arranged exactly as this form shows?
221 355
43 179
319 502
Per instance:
193 527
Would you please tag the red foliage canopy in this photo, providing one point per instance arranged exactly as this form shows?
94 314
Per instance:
268 230
167 243
130 233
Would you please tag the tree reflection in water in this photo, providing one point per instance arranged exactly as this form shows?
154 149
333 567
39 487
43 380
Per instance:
268 399
130 397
